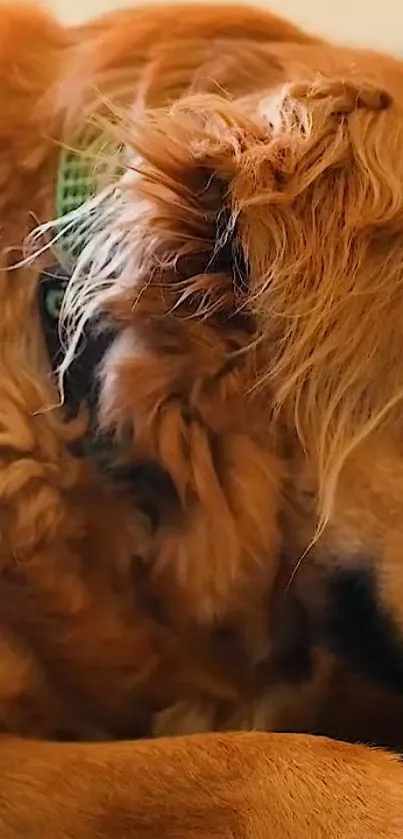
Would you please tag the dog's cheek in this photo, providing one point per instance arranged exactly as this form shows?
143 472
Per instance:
208 479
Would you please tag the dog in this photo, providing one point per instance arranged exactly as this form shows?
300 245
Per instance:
201 473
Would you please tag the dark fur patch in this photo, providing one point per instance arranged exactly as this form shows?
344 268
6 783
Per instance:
152 489
359 630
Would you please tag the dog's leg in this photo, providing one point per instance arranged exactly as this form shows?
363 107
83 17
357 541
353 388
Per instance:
243 785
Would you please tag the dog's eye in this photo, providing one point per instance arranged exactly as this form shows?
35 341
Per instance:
54 302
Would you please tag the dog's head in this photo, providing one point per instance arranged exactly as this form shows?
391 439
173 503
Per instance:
251 259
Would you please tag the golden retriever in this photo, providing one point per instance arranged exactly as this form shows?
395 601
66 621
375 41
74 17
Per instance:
201 518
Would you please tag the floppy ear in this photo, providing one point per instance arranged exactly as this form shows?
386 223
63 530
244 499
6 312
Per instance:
319 210
180 375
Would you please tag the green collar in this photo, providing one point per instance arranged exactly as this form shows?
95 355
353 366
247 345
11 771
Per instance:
83 172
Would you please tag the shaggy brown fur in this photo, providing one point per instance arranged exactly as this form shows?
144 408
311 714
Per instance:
256 290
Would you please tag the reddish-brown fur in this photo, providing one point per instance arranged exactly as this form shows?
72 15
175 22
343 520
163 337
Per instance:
270 395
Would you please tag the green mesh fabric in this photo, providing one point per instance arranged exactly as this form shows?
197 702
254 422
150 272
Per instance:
82 173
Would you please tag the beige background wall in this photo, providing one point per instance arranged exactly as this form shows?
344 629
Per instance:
376 23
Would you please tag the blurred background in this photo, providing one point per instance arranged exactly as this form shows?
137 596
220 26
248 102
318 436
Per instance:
376 23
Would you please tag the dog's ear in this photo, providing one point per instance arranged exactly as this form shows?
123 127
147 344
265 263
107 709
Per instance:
319 209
